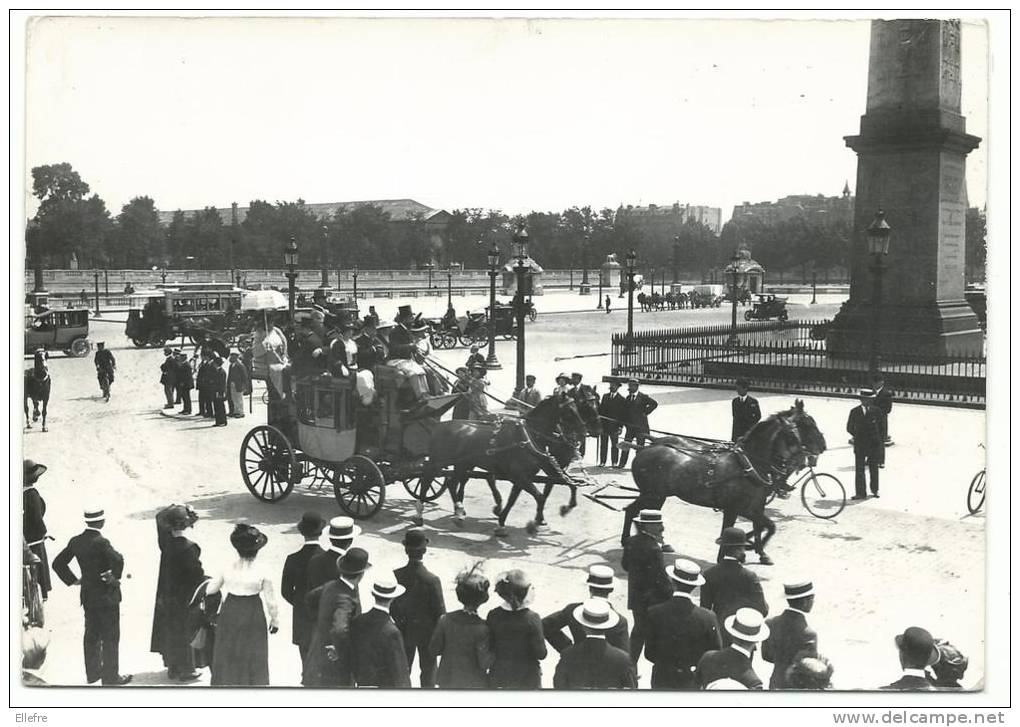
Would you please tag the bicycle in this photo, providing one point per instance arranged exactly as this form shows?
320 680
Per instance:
976 493
822 494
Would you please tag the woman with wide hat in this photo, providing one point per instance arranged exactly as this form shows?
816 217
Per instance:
241 657
34 525
517 639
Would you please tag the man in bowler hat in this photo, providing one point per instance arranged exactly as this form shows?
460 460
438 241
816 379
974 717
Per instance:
865 426
647 583
679 631
418 610
101 568
377 649
730 586
746 412
294 585
592 662
601 583
336 604
918 651
791 638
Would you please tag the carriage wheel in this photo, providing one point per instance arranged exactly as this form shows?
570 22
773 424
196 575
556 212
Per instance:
359 487
79 347
466 339
976 493
268 464
158 340
139 342
432 492
747 315
784 316
823 495
447 339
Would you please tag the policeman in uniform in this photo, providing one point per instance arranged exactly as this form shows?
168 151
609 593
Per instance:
101 568
746 412
106 364
865 426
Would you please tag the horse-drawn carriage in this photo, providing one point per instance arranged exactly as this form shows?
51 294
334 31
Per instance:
766 306
448 331
193 311
322 432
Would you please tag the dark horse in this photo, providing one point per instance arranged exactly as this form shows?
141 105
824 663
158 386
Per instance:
734 478
37 388
512 449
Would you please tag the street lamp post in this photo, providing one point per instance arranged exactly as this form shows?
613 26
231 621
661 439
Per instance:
96 273
631 260
449 286
585 285
354 280
325 257
878 233
735 264
290 259
676 259
491 362
521 253
600 289
814 287
429 266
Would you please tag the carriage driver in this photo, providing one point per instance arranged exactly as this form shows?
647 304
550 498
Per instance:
404 350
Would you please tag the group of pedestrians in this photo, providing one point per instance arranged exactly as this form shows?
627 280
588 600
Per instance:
221 385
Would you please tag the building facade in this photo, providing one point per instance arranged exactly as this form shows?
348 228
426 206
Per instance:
837 209
662 221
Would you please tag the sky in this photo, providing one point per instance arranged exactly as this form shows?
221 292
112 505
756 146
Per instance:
510 114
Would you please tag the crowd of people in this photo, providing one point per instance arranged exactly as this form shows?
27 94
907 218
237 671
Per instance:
699 630
222 385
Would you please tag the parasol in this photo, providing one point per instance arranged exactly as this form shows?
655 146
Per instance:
263 300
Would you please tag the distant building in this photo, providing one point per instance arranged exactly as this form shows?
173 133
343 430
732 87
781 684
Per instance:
663 221
817 207
402 212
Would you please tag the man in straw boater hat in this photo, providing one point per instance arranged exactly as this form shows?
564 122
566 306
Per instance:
294 583
101 568
918 651
747 629
601 583
647 583
335 604
791 638
322 566
679 631
34 532
728 584
592 662
377 648
417 612
865 426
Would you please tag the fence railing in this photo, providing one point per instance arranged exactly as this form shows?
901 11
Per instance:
791 356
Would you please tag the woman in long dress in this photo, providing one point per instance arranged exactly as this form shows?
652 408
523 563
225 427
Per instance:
241 656
269 352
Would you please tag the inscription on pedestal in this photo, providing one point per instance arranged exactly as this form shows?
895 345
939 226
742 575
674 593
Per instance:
952 238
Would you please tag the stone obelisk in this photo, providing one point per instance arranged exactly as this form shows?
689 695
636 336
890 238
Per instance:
911 155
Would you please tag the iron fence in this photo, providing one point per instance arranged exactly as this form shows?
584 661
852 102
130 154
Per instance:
791 357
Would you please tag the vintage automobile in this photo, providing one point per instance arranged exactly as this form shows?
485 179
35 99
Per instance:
193 311
765 307
58 330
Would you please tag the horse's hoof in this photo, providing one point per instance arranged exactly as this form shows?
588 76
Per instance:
45 429
28 425
500 532
565 510
764 559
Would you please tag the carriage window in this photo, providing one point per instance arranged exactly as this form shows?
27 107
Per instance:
325 409
305 405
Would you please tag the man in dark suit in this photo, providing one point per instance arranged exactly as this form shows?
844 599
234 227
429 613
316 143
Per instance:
883 402
322 565
746 629
581 392
680 632
730 586
592 662
865 426
370 349
917 652
294 585
168 377
377 649
613 409
417 612
101 567
647 583
336 604
600 585
185 380
746 412
637 407
791 638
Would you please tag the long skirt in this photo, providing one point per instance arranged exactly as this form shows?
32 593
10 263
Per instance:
241 657
43 569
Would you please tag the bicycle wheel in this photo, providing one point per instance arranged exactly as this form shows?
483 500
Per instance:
976 493
823 495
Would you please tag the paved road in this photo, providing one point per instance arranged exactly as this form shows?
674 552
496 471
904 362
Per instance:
911 557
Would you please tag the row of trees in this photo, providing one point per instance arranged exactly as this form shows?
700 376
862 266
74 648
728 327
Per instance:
71 222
